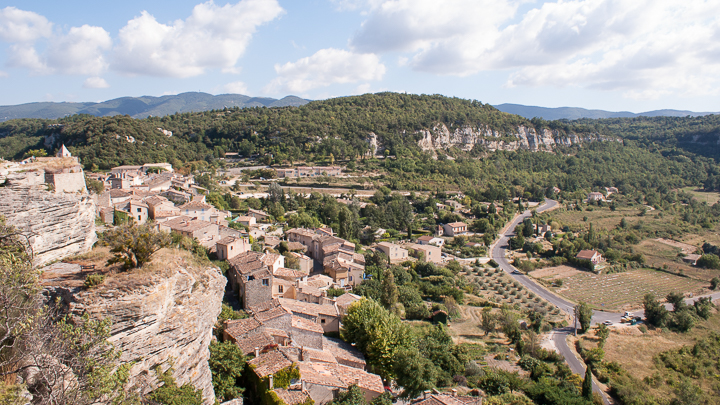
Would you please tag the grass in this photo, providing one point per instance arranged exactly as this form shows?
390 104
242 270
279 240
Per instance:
613 292
703 196
658 255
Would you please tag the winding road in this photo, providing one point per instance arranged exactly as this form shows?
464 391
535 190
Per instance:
560 334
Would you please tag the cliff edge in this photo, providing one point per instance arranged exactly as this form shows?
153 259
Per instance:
161 314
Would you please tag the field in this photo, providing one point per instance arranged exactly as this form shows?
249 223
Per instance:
702 196
620 291
497 288
660 254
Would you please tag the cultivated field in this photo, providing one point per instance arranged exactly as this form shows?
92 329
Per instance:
622 291
702 196
668 254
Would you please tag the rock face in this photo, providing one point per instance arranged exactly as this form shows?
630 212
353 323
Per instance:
465 138
158 319
58 224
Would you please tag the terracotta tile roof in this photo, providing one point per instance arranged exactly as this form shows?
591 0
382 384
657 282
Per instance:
270 258
304 324
239 327
289 273
196 205
457 224
299 307
264 306
227 240
346 299
271 314
296 246
310 354
270 363
425 238
249 342
185 224
443 399
292 397
156 200
276 332
586 254
344 353
338 375
259 212
118 193
309 290
320 281
302 231
247 262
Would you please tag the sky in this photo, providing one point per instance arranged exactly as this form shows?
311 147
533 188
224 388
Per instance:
618 55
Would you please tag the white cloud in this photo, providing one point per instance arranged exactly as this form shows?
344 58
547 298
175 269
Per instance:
645 48
235 88
23 26
212 37
95 83
326 67
80 52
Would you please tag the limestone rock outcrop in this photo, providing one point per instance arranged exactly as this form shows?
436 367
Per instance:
57 224
160 315
524 138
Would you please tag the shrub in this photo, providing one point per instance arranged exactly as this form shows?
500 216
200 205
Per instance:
93 280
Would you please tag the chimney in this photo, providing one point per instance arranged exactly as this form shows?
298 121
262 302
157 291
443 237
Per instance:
454 392
357 381
300 356
270 381
302 386
257 352
426 394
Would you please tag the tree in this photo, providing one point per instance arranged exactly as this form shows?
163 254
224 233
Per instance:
377 333
709 261
489 321
134 245
170 394
414 372
677 300
655 313
703 307
714 283
226 364
389 291
584 313
603 332
587 383
275 193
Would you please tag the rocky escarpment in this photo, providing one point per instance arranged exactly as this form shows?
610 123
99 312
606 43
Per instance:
523 138
159 317
57 224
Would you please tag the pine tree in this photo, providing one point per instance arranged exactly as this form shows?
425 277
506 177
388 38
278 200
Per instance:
587 384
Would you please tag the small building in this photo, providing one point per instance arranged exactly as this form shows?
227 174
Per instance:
432 254
691 259
260 216
246 220
430 240
455 228
439 316
595 196
63 152
193 228
592 255
395 253
230 246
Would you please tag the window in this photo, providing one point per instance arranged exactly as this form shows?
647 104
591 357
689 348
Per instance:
280 289
350 278
231 247
266 282
322 321
139 218
139 210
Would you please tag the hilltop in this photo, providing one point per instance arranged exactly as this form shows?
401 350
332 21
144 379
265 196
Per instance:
573 113
145 106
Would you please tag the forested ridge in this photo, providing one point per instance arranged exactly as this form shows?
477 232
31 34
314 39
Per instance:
665 152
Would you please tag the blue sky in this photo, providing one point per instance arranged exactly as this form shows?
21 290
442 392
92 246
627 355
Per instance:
634 55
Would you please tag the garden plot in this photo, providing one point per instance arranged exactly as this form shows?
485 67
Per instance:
497 287
626 290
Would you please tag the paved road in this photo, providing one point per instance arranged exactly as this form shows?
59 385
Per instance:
560 335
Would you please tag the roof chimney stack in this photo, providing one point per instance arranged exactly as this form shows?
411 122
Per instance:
257 352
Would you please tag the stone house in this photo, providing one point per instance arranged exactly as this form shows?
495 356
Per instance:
433 254
306 333
161 207
229 247
595 196
176 196
306 263
395 253
204 212
592 255
455 228
430 240
260 216
324 381
192 228
246 220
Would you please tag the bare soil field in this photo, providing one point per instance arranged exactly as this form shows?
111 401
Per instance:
661 254
684 247
623 291
554 273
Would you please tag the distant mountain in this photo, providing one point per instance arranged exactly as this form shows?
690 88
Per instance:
142 107
573 113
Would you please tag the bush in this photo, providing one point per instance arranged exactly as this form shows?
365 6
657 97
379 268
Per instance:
93 280
493 263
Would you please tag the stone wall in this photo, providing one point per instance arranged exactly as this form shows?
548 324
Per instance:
57 224
67 182
158 319
306 338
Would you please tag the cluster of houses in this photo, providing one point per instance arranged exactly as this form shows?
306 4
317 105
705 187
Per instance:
309 171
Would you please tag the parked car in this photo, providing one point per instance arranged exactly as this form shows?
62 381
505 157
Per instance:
608 323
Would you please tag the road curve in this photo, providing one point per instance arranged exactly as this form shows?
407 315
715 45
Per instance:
560 334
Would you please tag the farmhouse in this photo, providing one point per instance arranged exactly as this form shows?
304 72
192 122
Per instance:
592 255
394 252
595 196
455 228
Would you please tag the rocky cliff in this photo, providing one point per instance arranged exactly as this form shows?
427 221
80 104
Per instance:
161 314
525 138
58 224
